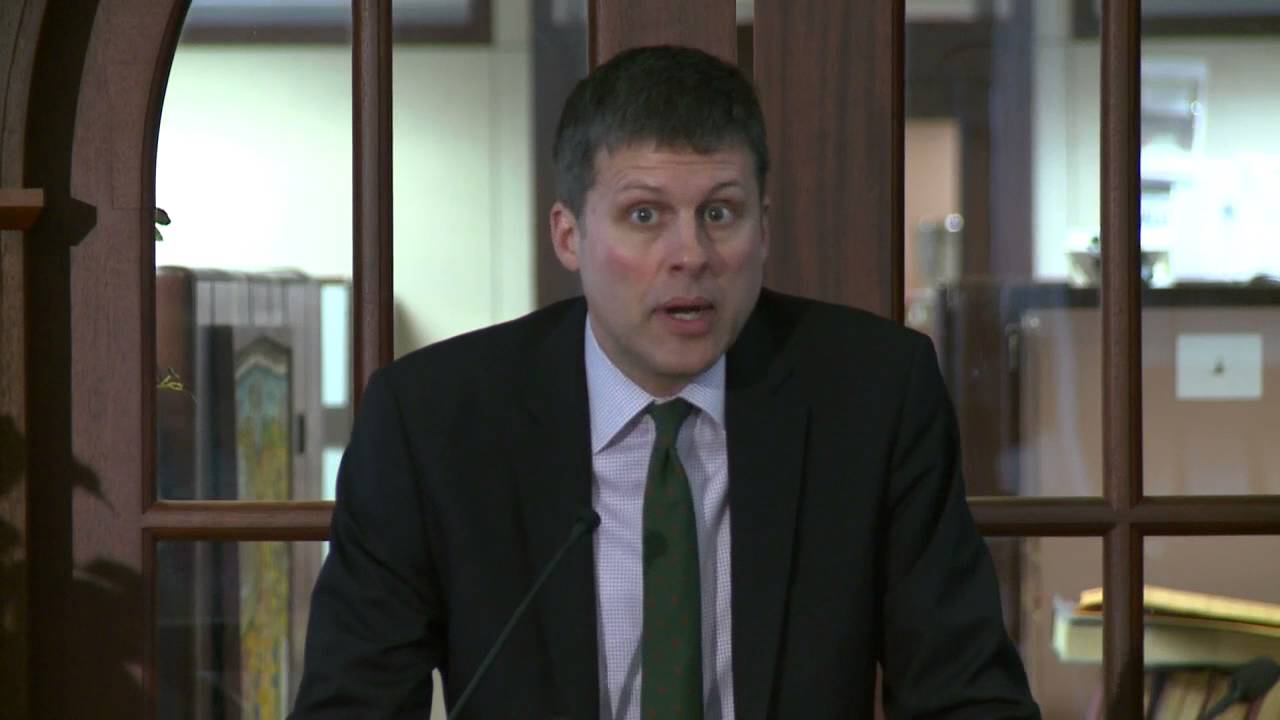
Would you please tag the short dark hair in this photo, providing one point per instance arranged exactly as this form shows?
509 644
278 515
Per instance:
676 97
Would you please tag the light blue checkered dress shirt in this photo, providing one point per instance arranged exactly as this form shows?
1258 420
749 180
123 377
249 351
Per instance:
621 441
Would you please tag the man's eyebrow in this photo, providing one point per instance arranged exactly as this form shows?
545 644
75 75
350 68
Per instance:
639 184
726 185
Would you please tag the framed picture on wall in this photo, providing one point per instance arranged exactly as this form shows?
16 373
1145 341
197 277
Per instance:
329 21
1187 17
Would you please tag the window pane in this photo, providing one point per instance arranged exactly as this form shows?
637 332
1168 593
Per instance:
1211 249
473 129
1195 653
231 621
1040 579
230 626
1001 168
253 172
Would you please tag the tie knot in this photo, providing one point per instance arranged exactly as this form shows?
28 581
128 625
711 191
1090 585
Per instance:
667 418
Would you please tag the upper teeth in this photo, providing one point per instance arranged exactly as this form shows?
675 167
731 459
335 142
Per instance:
686 314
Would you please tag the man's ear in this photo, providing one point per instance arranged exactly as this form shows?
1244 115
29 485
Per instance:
566 236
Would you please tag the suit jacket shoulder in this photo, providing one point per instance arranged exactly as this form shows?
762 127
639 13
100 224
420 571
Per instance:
842 352
490 367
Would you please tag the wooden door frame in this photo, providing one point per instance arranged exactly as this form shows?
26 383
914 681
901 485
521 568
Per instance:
19 24
85 415
82 103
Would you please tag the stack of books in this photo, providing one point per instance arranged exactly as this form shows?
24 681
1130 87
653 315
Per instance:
1191 644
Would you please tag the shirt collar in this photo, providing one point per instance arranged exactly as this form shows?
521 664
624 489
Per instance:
615 400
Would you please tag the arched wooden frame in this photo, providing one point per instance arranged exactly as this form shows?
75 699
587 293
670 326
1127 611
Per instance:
83 99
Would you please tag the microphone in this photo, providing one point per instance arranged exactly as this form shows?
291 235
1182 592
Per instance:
1248 683
587 522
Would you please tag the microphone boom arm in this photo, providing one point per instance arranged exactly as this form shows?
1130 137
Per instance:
586 524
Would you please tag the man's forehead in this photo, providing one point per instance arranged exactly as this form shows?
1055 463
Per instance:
618 164
646 146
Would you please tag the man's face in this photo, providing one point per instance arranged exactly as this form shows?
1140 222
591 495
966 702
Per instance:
671 247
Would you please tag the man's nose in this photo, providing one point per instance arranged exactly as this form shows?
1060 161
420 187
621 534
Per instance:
688 246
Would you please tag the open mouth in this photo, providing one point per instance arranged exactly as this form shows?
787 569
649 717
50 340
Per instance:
691 314
687 309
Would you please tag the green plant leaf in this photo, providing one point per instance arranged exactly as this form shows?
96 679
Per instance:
161 218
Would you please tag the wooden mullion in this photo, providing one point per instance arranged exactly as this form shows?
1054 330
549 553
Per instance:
372 310
1020 516
1208 515
232 520
1122 621
1192 515
1042 516
1122 358
895 14
1121 289
242 533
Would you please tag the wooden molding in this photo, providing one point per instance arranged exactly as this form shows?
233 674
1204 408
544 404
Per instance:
19 207
373 301
331 23
238 520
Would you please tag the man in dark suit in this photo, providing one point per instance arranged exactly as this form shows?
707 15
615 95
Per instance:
777 479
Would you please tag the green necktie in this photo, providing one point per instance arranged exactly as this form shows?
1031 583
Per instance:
671 645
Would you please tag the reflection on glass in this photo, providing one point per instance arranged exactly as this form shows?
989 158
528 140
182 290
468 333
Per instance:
241 409
1203 433
1001 201
1210 176
231 623
253 173
1040 579
473 128
1209 358
1212 606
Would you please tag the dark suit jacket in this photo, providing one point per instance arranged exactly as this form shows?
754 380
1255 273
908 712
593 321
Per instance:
851 539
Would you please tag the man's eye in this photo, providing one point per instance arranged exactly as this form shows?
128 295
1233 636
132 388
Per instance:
644 215
718 214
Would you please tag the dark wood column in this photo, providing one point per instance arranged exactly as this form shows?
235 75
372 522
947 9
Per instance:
19 208
1122 624
559 61
830 77
96 82
1010 153
373 329
620 24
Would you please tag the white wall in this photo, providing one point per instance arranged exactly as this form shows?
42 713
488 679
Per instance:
1052 173
1239 168
254 168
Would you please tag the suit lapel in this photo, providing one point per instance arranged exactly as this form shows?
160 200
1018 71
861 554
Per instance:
554 462
766 422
